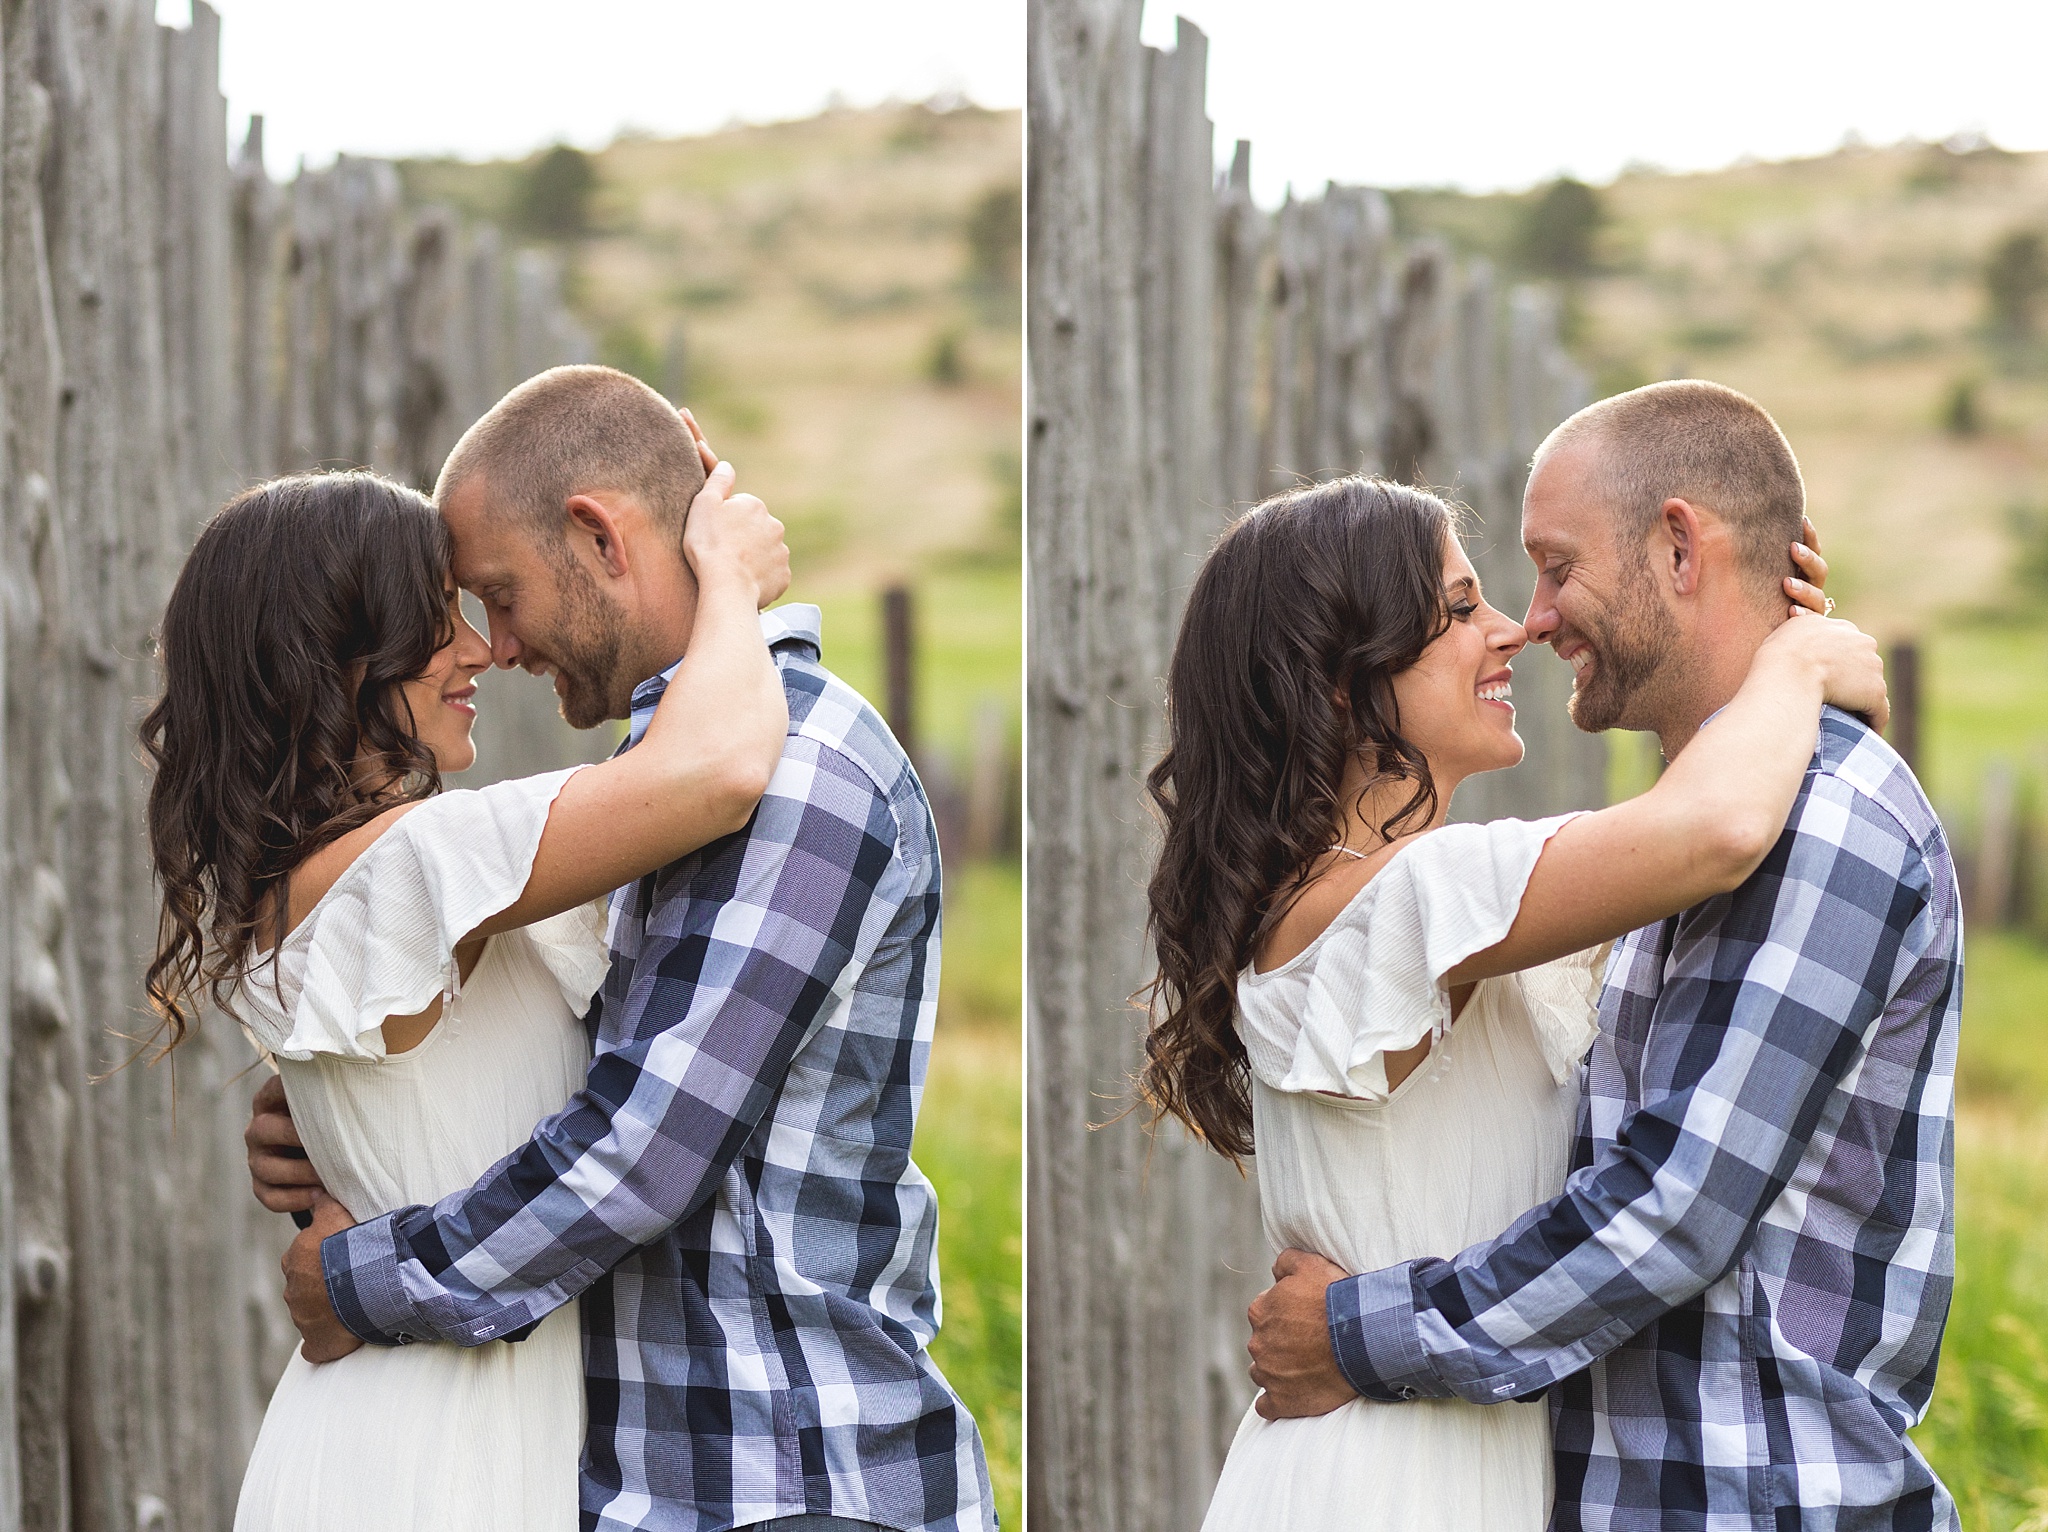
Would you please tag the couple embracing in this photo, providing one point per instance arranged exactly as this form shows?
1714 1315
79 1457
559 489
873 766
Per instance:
613 1220
1609 1156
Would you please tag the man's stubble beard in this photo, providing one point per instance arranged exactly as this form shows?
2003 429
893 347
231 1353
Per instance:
586 651
1630 649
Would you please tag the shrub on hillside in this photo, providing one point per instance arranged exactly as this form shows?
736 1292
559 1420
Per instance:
2015 282
553 199
1559 228
995 244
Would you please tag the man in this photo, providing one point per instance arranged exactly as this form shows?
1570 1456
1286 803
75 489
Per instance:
731 1194
1736 1304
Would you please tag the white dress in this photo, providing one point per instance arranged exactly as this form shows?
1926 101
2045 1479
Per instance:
427 1436
1368 1177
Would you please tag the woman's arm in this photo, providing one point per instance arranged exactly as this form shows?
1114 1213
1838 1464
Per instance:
1712 817
714 740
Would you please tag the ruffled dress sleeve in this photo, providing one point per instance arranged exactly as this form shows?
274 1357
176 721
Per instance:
381 942
1372 982
1562 998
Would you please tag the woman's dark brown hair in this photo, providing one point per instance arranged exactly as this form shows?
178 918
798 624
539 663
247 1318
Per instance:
1329 590
305 606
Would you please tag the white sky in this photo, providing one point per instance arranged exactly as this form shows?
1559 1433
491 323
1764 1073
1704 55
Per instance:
486 78
1504 93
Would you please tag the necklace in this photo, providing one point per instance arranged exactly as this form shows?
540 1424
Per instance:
1360 855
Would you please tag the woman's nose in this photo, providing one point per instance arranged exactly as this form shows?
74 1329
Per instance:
1510 638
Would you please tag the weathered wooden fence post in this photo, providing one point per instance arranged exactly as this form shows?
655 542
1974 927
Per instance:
1904 670
1187 354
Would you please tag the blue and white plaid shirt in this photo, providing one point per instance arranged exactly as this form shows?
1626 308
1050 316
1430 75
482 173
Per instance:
732 1193
1737 1301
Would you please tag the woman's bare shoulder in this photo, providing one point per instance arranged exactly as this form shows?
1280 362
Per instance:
312 878
1328 894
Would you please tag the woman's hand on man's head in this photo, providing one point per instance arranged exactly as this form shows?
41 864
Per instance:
728 532
1808 588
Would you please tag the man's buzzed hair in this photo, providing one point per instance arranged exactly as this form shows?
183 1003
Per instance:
1700 442
572 431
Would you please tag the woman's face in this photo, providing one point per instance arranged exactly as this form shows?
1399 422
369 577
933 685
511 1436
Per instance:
443 701
1454 700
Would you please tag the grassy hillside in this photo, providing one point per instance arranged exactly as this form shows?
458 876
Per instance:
837 298
1847 293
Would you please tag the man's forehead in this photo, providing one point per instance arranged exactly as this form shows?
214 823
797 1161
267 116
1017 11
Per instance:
483 547
1558 516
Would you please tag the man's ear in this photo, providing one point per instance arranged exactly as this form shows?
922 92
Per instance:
1679 545
593 520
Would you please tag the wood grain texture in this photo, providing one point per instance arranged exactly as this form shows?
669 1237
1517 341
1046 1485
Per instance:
1190 352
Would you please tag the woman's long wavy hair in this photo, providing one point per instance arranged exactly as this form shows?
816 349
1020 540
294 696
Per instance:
305 606
1329 590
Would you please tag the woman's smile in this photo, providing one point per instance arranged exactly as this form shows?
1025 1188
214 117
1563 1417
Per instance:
1495 691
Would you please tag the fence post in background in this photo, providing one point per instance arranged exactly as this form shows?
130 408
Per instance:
899 660
1998 846
1242 234
988 781
254 285
1905 698
43 1016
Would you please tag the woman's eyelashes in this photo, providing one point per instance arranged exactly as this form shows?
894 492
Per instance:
1464 611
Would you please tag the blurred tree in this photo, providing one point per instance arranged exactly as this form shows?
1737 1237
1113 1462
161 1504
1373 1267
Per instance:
553 198
995 241
626 347
1006 470
1559 228
2029 527
1961 414
2015 280
675 364
946 363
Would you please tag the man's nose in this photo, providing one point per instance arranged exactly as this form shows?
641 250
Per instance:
505 649
1540 625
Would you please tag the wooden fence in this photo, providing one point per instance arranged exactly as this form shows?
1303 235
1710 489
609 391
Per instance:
171 327
1190 353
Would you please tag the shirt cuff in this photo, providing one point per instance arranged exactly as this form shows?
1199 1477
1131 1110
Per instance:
1373 1332
361 1267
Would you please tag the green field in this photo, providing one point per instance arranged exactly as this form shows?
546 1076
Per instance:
1987 1434
969 621
970 1137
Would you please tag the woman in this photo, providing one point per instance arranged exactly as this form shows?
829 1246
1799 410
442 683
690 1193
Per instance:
1392 1009
415 962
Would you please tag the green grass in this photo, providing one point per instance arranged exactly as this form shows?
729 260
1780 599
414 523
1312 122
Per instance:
970 1141
1981 684
1987 1433
970 1136
969 625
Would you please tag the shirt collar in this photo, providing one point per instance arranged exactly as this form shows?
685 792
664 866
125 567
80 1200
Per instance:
795 625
